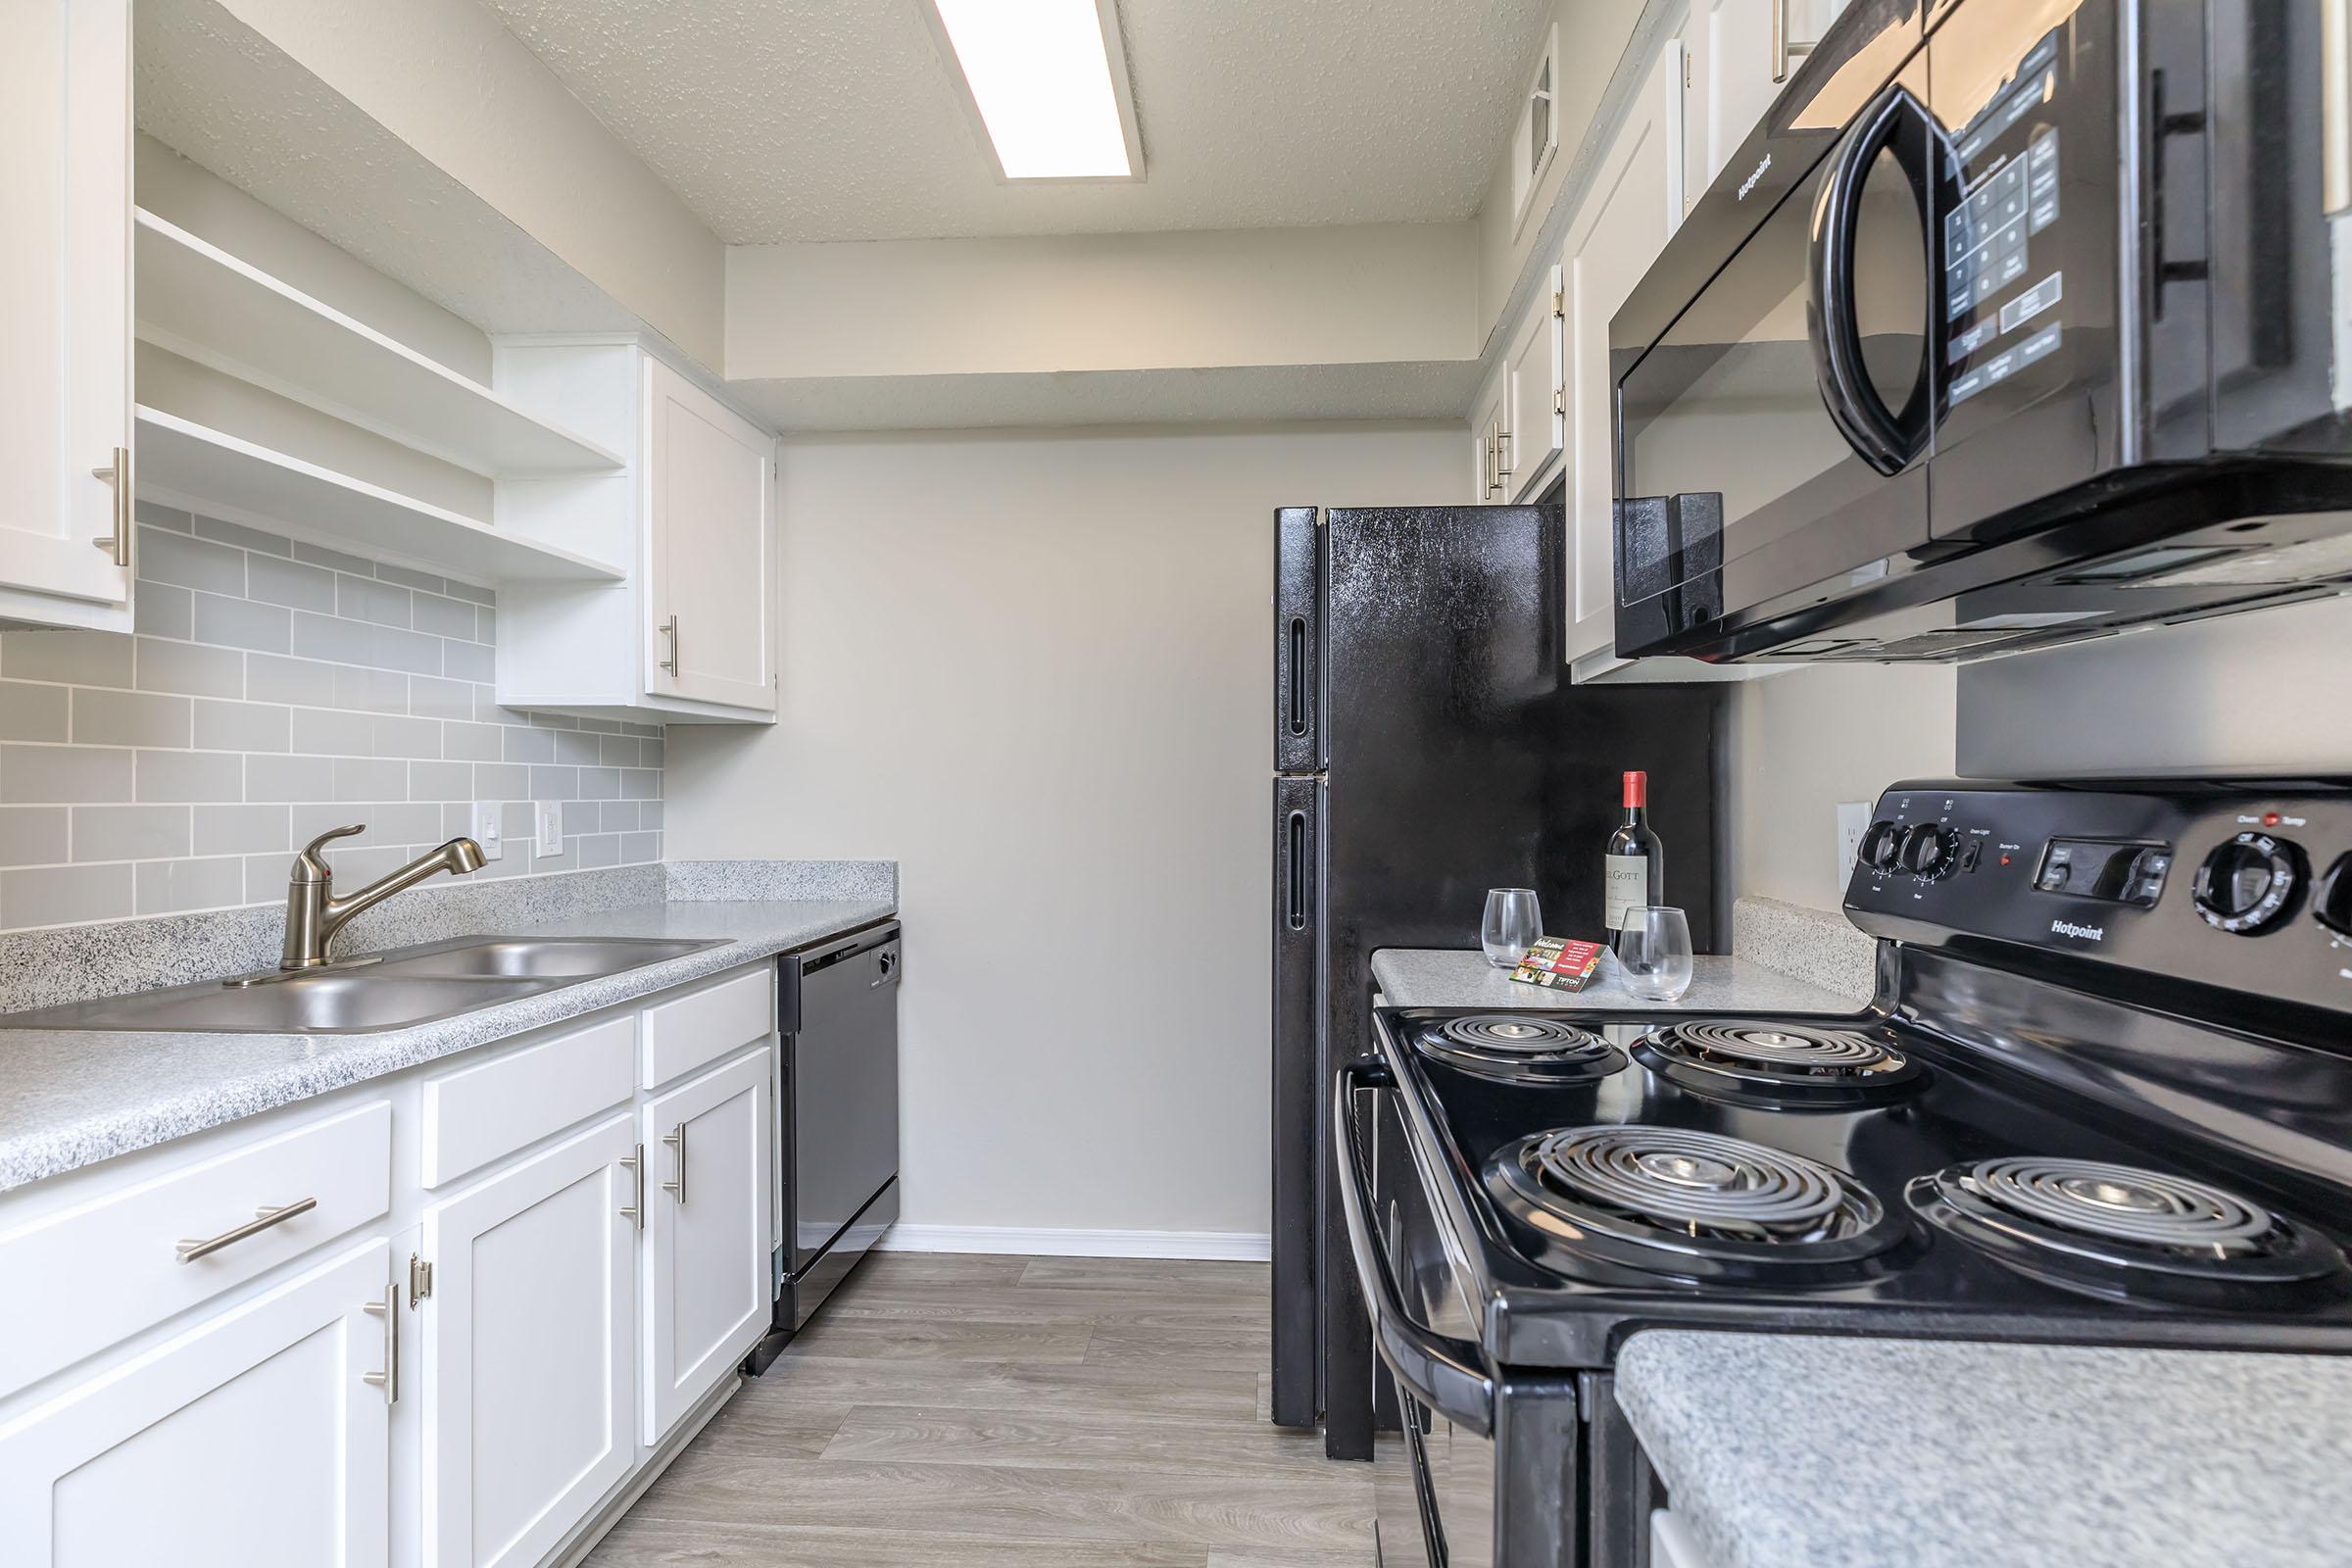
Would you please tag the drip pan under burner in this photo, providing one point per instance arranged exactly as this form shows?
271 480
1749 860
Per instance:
1521 1048
1692 1204
2130 1234
1785 1065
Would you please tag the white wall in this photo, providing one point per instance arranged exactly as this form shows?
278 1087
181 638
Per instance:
2265 692
1034 669
1802 742
1331 295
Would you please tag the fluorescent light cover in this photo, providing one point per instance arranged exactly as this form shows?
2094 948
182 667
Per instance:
1040 77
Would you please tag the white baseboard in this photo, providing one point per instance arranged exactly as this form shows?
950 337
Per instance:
1241 1247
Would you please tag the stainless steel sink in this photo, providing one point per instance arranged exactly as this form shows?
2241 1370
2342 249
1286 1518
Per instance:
539 958
405 987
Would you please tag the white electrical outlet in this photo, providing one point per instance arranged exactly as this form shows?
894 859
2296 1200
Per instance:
488 831
1853 820
550 817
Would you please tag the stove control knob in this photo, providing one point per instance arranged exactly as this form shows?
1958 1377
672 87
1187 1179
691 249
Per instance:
2248 884
1878 846
2334 909
1925 849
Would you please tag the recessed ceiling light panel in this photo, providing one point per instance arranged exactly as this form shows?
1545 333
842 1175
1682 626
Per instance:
1047 83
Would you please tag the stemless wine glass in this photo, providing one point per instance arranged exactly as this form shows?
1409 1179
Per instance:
1653 948
1512 924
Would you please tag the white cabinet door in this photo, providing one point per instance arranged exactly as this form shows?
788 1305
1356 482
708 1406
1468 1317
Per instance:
529 1351
710 547
708 1199
1618 231
65 286
1743 54
1486 425
1533 396
252 1442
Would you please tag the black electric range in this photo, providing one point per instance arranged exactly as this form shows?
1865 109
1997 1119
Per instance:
2104 1096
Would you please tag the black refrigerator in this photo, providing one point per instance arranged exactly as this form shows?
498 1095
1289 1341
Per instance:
1428 746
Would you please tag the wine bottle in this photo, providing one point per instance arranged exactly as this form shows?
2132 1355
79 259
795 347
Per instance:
1633 871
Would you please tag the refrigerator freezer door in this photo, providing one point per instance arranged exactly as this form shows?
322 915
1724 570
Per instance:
1297 641
1297 1096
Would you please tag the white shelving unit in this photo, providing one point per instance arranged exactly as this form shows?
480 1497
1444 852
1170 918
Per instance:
203 304
189 459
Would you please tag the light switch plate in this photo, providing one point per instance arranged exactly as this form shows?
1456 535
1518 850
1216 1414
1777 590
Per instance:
549 814
1853 820
488 830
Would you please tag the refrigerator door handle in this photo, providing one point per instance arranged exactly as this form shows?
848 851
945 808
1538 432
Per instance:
1297 695
1296 843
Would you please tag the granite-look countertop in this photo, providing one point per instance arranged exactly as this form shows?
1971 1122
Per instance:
1801 1451
70 1099
1461 977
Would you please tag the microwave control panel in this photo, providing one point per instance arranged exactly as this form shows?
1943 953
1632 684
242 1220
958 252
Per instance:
2246 890
2003 291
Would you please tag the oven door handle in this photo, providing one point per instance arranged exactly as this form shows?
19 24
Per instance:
1443 1374
1883 437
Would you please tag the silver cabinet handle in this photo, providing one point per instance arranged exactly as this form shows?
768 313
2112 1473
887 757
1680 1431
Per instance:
190 1252
1783 48
2335 105
634 1165
1502 459
118 543
676 1138
669 629
389 1378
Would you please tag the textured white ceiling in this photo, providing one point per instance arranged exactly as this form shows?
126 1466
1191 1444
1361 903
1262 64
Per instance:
836 119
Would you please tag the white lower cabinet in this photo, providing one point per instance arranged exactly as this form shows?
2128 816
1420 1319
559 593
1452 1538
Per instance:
708 1295
528 1358
462 1371
255 1441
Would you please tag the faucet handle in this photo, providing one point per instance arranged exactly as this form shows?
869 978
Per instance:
310 865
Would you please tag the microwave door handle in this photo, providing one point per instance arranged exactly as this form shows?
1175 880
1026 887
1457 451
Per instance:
1881 436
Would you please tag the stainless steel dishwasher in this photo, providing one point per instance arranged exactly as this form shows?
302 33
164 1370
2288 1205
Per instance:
837 1010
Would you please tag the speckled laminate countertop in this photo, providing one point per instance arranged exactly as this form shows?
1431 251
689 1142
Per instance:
1461 977
1798 1451
70 1099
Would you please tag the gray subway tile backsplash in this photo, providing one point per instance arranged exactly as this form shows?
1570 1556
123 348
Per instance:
265 699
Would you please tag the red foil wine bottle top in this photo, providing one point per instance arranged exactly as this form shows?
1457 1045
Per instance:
1637 789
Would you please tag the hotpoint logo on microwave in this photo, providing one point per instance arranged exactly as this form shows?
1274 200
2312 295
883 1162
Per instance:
2084 933
1749 183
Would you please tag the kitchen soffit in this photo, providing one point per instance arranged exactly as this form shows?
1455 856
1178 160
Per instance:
780 121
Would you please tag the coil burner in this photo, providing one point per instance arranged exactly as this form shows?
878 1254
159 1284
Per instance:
1786 1065
2121 1232
1670 1200
1522 1048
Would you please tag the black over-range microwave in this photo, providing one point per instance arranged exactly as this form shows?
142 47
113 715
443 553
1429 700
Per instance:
2015 322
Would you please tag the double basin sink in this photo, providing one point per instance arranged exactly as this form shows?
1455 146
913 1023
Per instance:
391 991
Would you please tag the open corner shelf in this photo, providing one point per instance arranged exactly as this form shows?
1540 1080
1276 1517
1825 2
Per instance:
198 301
181 456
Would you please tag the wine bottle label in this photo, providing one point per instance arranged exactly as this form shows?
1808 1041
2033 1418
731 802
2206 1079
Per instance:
1625 885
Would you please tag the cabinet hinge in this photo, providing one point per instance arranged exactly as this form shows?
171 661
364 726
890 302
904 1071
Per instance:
1559 304
1559 400
420 1280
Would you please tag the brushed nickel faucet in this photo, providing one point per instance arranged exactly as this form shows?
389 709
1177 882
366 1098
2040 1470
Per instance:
314 915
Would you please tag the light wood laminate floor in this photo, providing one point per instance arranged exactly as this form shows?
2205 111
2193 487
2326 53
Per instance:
1010 1412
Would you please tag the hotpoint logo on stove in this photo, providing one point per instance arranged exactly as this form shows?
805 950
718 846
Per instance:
1749 183
2083 933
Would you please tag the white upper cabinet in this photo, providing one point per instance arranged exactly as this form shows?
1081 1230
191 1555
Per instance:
1628 212
1535 395
1487 436
65 286
711 530
1742 53
260 1439
692 633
